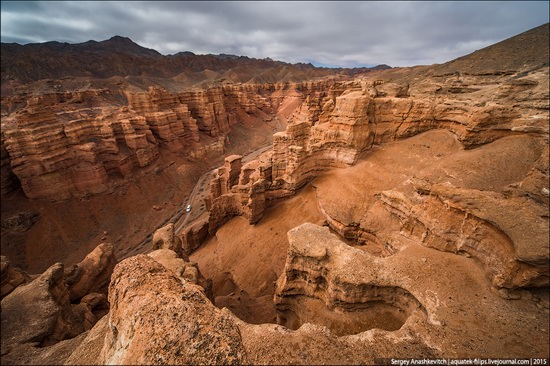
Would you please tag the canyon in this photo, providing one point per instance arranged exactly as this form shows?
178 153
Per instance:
340 216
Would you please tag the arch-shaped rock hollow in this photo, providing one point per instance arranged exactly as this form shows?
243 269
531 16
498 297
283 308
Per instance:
328 283
382 307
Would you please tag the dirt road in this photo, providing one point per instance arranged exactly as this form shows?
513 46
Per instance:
182 218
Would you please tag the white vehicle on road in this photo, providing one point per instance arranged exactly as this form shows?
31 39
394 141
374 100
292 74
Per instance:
188 208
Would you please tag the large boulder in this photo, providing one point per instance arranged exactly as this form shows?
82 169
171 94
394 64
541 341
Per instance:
156 318
40 312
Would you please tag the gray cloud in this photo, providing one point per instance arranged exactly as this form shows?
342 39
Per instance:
338 33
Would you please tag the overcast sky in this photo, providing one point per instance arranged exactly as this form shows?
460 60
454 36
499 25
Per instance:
329 33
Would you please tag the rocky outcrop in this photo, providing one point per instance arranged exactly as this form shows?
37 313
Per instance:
443 204
11 277
93 274
193 236
41 313
193 330
222 202
182 268
344 130
299 154
164 238
514 252
322 284
88 349
75 143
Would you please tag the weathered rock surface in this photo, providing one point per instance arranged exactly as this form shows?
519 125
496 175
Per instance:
324 282
11 277
164 238
28 354
91 343
376 207
318 264
193 330
40 313
58 150
182 268
193 236
78 142
93 274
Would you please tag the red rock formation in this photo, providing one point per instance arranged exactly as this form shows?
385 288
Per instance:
189 322
320 285
57 154
11 277
93 274
182 268
379 112
164 238
193 236
77 143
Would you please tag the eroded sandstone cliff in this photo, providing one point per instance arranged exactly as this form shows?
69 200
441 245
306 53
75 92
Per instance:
464 205
77 143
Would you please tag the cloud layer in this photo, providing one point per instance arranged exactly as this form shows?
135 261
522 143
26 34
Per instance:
337 33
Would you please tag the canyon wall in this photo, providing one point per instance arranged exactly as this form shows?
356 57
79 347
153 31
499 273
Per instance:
491 116
76 143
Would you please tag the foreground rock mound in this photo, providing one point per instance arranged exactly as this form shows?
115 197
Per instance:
145 297
391 307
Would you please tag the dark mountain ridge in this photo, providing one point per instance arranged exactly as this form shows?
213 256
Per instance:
120 56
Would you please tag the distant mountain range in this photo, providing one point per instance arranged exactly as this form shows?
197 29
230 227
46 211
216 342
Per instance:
120 56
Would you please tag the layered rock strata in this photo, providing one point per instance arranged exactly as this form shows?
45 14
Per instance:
56 153
322 284
57 145
378 112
